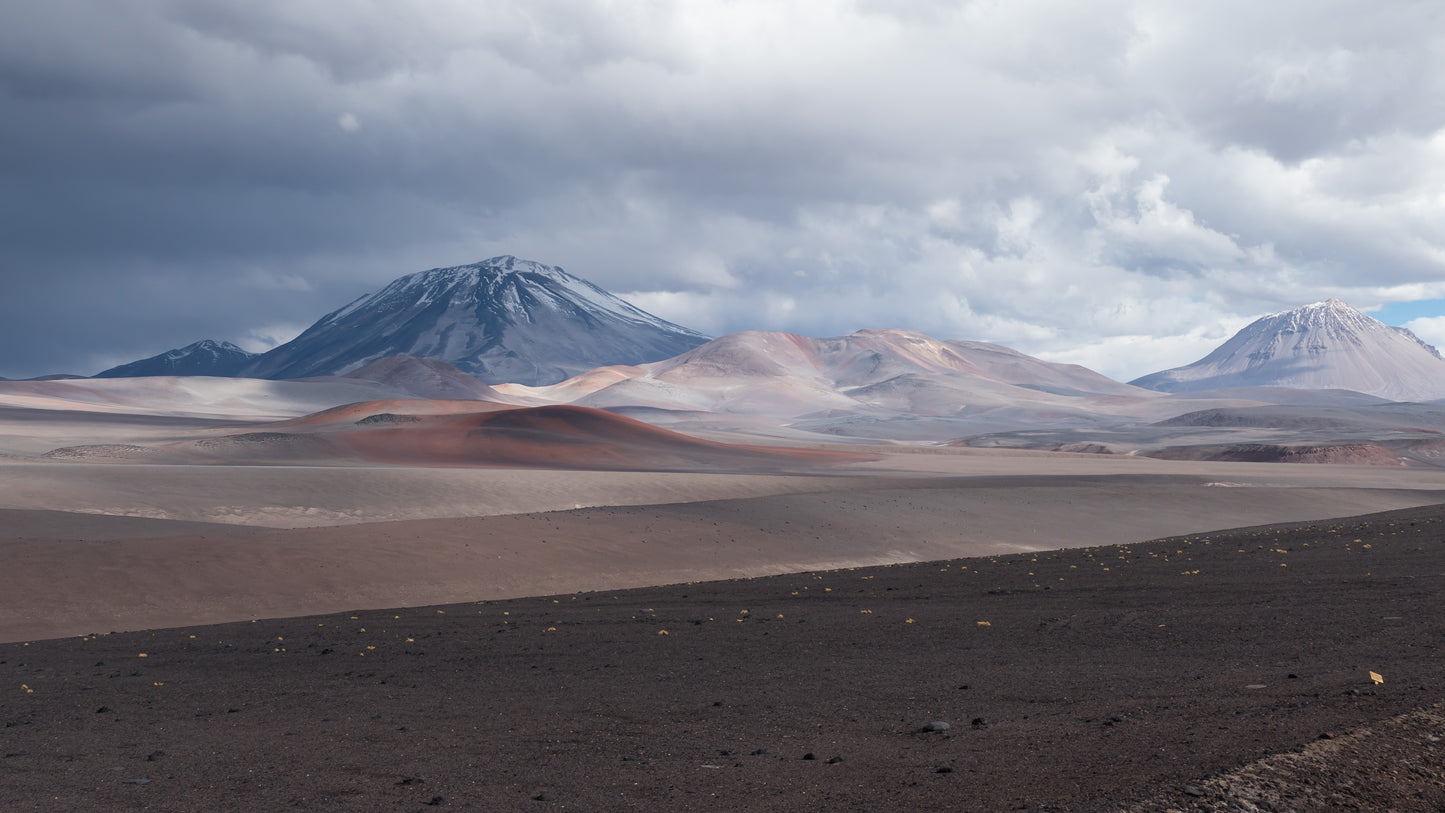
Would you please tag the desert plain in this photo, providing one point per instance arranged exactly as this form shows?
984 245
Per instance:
253 601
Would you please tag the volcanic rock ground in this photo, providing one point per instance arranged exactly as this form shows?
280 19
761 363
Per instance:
1209 672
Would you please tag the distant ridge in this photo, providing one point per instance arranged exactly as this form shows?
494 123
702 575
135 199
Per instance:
870 371
205 357
1326 345
501 320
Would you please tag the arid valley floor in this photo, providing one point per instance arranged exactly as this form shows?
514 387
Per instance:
320 629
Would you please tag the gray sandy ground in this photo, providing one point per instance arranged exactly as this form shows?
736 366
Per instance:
101 574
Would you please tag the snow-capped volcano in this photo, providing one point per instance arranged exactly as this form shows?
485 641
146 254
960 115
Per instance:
205 357
1327 345
501 320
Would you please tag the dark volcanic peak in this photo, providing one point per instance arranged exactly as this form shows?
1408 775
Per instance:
1327 345
501 320
205 357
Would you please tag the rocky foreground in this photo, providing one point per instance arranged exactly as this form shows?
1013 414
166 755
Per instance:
1225 671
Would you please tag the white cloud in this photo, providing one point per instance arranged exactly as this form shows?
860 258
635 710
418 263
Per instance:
1126 357
1153 230
261 338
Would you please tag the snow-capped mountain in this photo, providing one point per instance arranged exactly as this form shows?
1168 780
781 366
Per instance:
205 357
501 320
1327 345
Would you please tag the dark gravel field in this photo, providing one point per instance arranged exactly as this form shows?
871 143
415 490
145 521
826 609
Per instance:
1152 676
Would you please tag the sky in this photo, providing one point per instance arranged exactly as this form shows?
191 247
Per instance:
1115 184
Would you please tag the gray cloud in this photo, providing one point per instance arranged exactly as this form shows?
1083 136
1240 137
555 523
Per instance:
1118 184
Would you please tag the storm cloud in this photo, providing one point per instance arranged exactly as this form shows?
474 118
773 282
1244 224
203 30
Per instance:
1116 184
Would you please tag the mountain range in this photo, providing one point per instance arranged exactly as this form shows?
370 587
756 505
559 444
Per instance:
529 325
1321 383
871 371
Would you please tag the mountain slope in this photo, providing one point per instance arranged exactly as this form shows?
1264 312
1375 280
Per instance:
1327 345
425 378
871 371
501 320
205 357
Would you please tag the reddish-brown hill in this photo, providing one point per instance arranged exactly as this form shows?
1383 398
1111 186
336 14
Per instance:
568 437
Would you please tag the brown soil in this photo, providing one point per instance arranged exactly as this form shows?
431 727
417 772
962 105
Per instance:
1189 673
